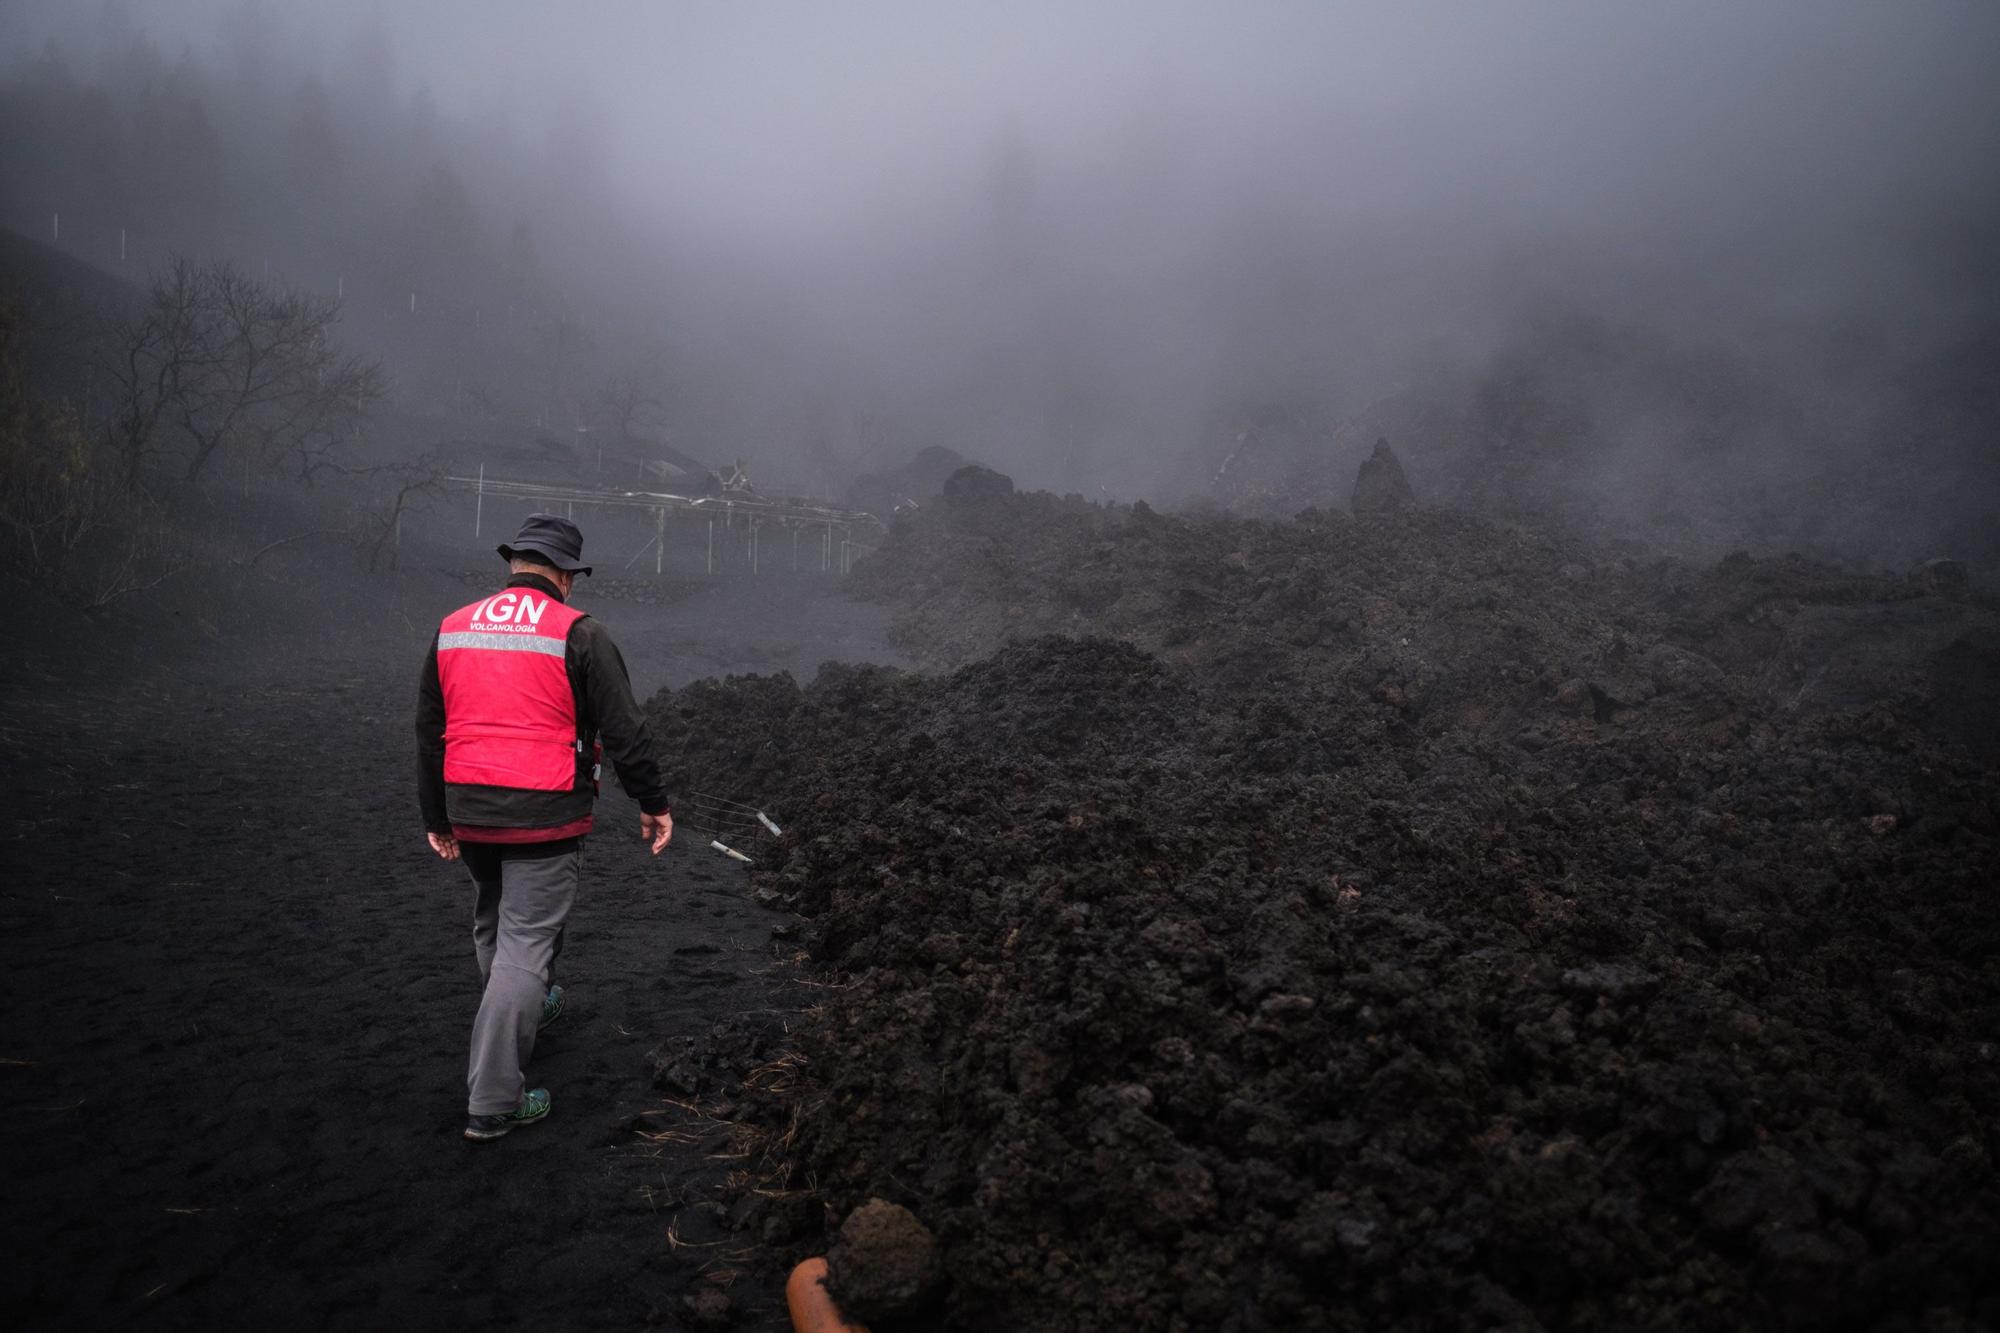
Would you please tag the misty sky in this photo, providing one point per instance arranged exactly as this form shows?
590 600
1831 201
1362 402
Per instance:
795 117
1028 225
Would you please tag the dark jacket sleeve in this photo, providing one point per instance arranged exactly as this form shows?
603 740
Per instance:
618 719
430 745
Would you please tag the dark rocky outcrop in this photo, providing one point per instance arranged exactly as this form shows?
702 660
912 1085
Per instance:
1380 485
974 483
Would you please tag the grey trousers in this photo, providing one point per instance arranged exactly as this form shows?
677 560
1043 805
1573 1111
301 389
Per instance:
523 895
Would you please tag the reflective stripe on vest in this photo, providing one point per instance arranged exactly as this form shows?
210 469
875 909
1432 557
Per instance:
509 711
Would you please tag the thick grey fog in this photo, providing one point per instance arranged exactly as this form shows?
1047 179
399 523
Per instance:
1319 666
1711 275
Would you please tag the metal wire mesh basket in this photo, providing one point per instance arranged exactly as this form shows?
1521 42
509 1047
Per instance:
731 827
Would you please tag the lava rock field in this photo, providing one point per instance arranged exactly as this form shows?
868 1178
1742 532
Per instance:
1395 921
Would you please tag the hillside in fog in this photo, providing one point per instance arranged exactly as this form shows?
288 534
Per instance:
1709 276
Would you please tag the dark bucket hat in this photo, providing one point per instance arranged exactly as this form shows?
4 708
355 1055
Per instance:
546 537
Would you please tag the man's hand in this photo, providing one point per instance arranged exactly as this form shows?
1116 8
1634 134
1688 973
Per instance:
657 829
444 844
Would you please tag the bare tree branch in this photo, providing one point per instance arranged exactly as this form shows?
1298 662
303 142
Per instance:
235 366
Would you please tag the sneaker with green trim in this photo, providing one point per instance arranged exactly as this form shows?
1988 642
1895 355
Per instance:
552 1007
534 1106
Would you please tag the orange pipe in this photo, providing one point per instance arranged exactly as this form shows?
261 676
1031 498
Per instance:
813 1310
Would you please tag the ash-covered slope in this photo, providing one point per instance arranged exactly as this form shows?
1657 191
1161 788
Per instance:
1396 924
1458 623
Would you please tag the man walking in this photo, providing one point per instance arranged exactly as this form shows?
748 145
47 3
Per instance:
520 695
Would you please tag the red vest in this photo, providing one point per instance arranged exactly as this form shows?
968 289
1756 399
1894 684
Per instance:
510 714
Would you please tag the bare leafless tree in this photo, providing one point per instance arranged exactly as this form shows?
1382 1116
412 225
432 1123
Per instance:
414 482
144 360
232 366
270 380
631 401
61 518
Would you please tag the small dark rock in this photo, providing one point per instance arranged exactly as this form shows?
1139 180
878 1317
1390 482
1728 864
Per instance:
1940 575
1617 981
674 1072
709 1308
1286 1008
885 1264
